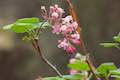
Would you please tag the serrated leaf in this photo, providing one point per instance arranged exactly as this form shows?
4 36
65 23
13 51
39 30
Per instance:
109 45
74 77
79 65
53 78
104 69
28 20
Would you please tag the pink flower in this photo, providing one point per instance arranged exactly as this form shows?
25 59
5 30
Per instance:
76 41
56 10
66 46
67 19
75 38
75 35
74 25
71 49
54 15
65 26
71 25
56 29
63 44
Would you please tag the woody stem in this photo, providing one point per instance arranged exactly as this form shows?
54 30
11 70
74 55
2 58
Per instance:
82 46
37 47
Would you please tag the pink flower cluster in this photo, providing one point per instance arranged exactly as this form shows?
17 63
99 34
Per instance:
65 26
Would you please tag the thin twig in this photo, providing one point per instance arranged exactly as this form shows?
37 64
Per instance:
37 47
74 15
118 48
37 32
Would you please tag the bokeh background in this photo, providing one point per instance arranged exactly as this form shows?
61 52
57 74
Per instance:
100 21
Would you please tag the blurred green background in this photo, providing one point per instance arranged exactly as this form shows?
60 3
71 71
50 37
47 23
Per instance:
100 21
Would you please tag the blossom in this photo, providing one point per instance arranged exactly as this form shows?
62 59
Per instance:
66 46
75 38
54 15
56 29
67 19
56 11
63 44
75 35
76 41
65 26
71 49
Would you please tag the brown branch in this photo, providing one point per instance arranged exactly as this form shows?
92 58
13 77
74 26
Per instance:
82 46
37 47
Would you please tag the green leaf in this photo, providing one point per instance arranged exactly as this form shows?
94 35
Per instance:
116 76
104 69
78 76
115 72
109 45
53 78
23 27
117 38
8 27
26 25
28 20
79 65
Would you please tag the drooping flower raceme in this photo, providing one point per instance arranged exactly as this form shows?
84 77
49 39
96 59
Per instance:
65 26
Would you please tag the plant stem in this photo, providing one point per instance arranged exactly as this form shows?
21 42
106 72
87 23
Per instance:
37 32
37 47
118 48
83 48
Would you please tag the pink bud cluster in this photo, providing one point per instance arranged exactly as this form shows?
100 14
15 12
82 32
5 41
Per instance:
65 26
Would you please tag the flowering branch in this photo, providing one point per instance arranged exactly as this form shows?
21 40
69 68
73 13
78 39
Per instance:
74 15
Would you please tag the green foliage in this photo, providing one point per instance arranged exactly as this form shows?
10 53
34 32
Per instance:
8 27
78 76
104 69
53 78
109 45
115 73
26 25
79 65
28 20
117 38
115 76
116 44
23 27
